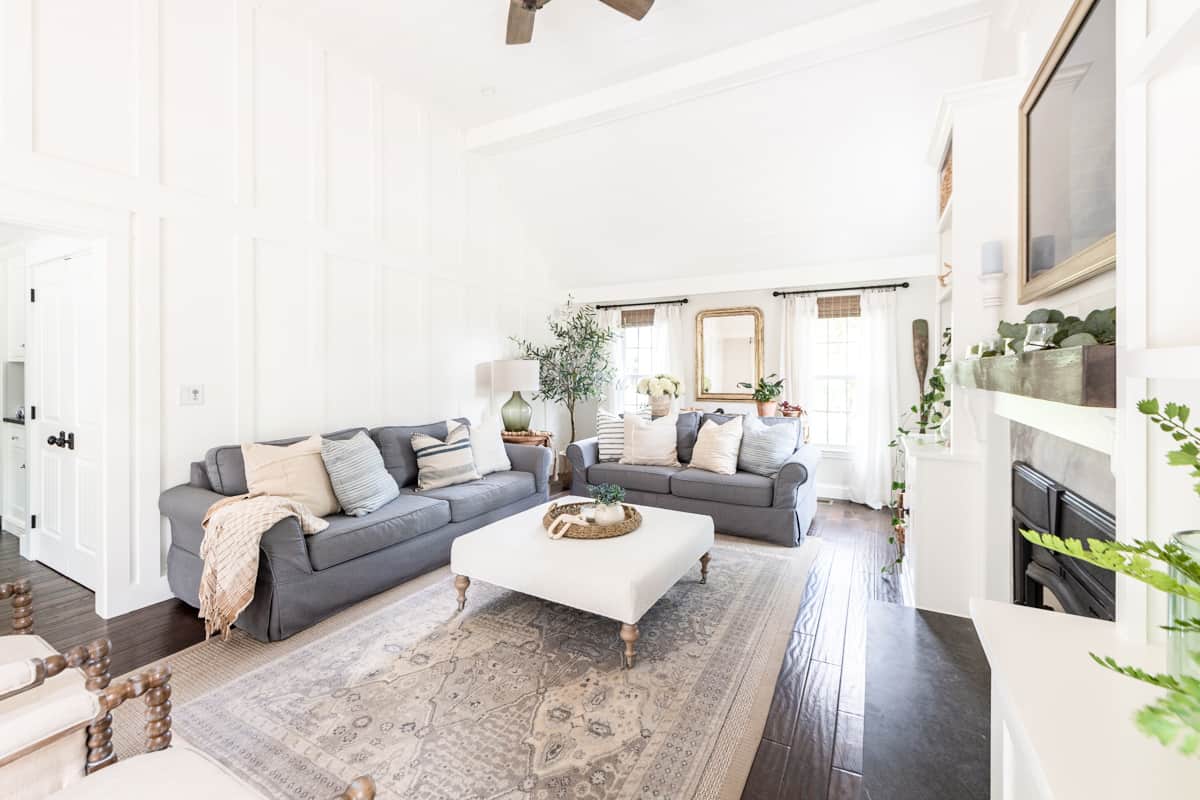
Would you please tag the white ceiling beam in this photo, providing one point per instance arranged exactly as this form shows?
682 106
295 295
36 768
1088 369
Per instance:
867 27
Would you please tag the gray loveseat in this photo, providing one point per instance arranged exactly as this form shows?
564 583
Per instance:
303 579
779 509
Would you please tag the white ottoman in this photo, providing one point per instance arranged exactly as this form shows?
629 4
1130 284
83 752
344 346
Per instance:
619 578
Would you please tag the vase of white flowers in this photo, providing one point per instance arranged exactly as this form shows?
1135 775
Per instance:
662 391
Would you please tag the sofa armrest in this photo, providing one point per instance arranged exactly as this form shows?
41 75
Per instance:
283 545
797 471
532 458
583 454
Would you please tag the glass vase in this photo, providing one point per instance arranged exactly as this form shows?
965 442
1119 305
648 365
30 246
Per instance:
1182 645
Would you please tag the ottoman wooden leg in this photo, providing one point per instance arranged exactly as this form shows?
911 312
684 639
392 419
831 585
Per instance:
461 582
629 635
704 559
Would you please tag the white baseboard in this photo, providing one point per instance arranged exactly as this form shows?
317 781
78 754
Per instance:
829 491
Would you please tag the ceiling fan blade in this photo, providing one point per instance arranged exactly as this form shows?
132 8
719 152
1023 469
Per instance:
520 23
633 8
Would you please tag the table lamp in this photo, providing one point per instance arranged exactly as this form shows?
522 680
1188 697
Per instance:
514 375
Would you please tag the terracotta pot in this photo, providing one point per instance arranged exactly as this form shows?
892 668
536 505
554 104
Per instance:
768 409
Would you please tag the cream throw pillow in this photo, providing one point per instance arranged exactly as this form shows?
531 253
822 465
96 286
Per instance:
295 471
650 442
717 446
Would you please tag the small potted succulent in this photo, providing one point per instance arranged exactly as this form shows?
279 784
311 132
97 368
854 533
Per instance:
608 509
662 390
766 394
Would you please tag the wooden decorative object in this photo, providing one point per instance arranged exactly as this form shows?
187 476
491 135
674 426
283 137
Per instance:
461 583
944 277
946 180
362 788
21 593
704 559
1079 376
155 685
92 659
920 335
632 521
630 635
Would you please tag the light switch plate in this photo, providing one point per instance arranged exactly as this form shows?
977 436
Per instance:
191 394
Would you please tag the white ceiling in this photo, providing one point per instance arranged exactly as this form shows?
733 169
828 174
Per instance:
453 53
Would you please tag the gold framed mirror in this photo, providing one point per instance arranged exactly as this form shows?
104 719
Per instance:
729 351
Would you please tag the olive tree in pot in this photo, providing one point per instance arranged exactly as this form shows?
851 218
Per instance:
574 368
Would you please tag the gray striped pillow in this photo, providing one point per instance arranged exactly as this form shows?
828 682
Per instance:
765 447
444 463
356 472
610 430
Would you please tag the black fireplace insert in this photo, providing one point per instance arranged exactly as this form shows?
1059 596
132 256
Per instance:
1040 504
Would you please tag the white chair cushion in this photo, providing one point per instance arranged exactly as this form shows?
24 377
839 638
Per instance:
36 718
178 773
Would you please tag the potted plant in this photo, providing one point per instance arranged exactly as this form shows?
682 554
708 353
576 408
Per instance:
662 390
608 509
575 369
766 394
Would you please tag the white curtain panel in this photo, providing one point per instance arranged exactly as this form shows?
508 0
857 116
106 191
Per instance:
670 347
795 347
874 417
614 395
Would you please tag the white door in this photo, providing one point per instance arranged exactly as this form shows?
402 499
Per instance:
65 395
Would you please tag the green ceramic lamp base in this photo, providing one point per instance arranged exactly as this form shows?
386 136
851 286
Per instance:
516 414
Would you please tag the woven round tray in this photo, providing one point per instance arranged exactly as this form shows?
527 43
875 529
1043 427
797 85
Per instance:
633 520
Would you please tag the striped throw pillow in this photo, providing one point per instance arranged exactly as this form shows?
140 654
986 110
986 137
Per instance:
765 447
444 463
610 430
360 481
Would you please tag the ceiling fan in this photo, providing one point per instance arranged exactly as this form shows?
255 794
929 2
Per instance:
521 12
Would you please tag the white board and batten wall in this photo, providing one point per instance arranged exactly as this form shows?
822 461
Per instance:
284 231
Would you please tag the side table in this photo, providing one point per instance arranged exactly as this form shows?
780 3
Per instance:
536 439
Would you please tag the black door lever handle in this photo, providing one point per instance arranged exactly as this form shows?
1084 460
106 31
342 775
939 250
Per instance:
71 440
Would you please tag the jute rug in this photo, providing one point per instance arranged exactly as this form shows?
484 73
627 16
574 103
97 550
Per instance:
514 698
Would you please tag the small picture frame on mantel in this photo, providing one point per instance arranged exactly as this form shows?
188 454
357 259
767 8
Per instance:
1067 156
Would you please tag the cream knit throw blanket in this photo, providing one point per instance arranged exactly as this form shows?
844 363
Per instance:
233 529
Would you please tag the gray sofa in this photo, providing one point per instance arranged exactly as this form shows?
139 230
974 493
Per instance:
779 509
303 579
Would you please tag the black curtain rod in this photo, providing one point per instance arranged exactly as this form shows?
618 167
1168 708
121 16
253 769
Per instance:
843 289
680 302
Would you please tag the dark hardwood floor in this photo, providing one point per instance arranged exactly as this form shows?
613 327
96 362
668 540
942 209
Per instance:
812 745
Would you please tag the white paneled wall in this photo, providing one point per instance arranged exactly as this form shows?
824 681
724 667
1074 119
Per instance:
296 230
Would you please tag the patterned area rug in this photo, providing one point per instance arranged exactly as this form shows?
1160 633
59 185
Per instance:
515 697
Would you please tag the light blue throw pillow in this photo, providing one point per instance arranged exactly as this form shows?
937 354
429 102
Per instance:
360 481
765 447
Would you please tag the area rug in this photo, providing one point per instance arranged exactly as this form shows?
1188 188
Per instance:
513 698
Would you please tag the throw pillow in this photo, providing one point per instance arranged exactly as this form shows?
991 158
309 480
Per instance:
360 481
717 446
444 462
610 430
295 472
487 447
765 447
650 442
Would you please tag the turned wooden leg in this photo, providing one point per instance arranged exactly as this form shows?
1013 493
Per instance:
704 559
629 635
461 582
97 664
153 684
21 592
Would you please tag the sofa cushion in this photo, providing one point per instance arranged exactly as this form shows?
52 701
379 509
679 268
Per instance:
640 477
469 500
721 418
686 431
741 488
404 518
395 443
296 472
227 469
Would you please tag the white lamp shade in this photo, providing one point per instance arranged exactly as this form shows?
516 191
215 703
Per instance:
515 375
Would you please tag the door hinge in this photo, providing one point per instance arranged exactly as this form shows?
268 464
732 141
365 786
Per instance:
32 295
33 521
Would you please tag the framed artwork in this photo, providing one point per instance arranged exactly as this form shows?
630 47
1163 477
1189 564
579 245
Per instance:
1067 156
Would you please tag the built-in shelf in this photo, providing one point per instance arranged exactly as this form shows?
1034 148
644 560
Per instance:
1078 376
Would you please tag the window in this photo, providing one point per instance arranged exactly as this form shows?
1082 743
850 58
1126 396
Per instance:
637 354
835 348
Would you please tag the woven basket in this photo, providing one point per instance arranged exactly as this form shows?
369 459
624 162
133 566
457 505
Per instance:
632 521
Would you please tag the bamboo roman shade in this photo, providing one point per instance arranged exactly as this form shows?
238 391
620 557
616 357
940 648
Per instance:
837 306
637 318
